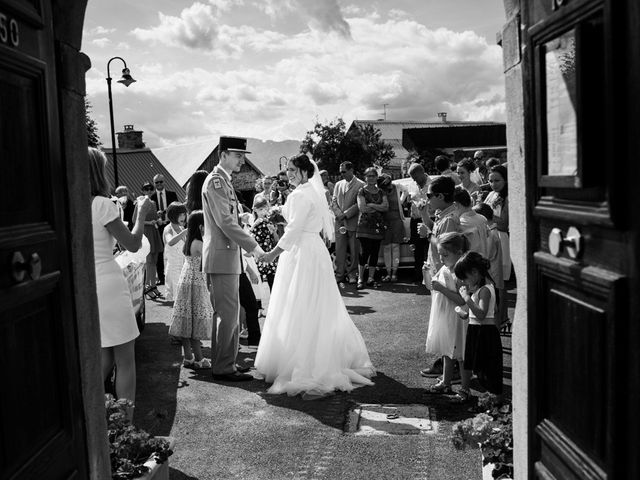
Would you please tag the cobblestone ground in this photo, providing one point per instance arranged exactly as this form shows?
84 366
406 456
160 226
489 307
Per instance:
236 431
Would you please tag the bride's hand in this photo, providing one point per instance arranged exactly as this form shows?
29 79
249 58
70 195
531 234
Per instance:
269 257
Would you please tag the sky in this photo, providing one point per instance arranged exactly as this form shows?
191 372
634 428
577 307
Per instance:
270 69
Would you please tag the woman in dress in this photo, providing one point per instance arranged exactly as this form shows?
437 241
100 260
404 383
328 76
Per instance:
372 203
155 243
394 234
498 200
118 328
309 344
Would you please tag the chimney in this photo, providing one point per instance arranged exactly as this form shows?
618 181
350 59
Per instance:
130 139
443 116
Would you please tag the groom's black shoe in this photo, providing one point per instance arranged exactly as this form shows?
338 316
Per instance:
242 369
233 377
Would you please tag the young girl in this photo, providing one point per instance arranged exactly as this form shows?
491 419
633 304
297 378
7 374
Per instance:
173 236
446 333
264 231
192 311
494 255
483 349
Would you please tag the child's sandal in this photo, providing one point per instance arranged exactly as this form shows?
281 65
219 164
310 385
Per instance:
440 388
189 362
204 363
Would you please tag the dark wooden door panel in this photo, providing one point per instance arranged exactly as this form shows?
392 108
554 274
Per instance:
22 135
41 415
578 318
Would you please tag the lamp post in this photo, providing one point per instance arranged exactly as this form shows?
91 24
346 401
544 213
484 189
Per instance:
126 80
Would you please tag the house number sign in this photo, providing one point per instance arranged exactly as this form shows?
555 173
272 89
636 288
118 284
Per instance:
9 33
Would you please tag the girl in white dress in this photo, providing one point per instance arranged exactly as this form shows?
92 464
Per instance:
173 237
446 334
309 343
118 329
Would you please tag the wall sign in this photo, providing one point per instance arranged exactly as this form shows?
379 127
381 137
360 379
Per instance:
9 32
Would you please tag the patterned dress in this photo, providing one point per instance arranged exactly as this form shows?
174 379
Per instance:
192 315
262 234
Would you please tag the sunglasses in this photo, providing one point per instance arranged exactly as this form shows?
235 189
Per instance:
147 189
158 182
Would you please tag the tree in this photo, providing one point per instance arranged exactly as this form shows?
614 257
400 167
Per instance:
325 143
92 127
331 144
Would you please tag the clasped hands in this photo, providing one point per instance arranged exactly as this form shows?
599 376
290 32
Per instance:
261 256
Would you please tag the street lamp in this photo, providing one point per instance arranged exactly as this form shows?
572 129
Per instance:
126 80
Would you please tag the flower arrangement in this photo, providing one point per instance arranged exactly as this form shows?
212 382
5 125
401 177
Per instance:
129 446
492 429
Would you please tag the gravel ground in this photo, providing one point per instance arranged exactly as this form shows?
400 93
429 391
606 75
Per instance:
236 431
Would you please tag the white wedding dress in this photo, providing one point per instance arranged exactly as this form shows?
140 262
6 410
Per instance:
309 343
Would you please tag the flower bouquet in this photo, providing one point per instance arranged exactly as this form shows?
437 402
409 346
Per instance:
492 429
129 446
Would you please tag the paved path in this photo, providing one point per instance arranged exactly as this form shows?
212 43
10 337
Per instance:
236 431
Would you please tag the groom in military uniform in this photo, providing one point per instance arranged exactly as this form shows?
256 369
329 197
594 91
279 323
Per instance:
223 242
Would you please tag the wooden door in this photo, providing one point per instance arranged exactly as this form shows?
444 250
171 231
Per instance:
581 265
41 410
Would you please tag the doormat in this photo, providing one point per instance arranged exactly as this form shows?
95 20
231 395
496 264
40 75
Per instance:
390 419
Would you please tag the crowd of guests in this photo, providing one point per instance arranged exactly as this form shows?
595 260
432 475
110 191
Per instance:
459 228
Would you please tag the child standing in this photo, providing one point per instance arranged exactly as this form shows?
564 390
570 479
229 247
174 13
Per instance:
446 334
173 236
483 349
192 311
264 232
494 255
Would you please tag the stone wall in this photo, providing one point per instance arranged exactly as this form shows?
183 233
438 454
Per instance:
519 223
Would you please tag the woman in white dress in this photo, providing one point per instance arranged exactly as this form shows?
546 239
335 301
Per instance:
309 343
118 329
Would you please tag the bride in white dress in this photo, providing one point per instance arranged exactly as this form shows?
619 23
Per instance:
309 343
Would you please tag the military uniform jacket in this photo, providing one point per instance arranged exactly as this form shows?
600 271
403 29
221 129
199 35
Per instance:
223 235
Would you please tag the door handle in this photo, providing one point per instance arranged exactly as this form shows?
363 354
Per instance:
572 242
20 267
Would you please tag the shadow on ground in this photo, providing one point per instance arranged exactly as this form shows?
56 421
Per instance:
178 475
158 372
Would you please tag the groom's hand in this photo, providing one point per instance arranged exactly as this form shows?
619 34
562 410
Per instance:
258 253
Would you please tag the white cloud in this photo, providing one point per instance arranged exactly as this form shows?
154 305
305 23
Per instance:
99 30
324 15
101 42
196 28
398 14
309 75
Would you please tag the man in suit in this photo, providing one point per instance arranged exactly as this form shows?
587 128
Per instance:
223 242
345 207
163 198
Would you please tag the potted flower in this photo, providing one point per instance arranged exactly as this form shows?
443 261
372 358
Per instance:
492 429
134 453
